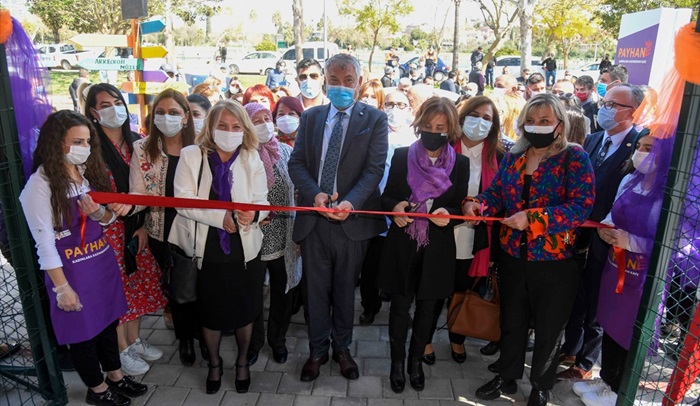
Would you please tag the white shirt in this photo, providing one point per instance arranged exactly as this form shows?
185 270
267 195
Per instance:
464 233
327 131
616 141
36 204
397 139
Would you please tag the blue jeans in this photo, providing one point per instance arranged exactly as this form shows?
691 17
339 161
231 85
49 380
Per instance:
550 74
489 77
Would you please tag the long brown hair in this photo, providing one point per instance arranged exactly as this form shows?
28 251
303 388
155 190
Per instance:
152 145
433 107
492 142
49 154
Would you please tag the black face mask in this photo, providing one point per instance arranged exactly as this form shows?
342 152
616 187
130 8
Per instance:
538 140
432 141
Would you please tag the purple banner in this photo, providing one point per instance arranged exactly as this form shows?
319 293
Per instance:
636 52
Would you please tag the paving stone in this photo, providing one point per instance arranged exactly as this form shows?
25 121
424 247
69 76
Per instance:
446 369
161 337
199 397
271 399
233 398
348 402
366 333
264 381
192 378
304 400
377 367
291 384
385 402
336 386
148 321
365 387
387 393
419 402
372 349
168 352
162 375
438 389
166 395
292 365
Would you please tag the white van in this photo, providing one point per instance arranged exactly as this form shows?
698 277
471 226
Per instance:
311 50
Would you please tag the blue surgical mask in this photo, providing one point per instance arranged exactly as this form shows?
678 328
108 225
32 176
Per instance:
602 89
606 118
342 97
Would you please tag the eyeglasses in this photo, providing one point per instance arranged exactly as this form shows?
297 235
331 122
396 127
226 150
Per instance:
609 105
391 105
313 76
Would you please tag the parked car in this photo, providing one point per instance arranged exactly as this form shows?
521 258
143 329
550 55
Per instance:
590 69
62 55
512 64
439 73
312 49
259 62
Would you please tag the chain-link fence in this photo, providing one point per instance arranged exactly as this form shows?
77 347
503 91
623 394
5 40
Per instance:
29 372
664 359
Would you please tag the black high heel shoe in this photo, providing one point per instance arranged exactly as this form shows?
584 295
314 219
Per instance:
242 385
212 385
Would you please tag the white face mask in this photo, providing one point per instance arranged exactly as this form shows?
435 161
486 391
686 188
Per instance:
310 88
228 141
288 124
540 129
369 101
265 132
198 124
169 125
498 92
398 118
77 155
534 93
638 160
476 128
112 116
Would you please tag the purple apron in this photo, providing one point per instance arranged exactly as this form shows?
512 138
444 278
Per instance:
617 313
93 273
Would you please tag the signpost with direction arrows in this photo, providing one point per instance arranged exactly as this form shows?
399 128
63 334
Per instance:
153 26
121 64
156 51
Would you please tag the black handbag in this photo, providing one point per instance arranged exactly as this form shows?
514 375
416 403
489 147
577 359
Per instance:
180 274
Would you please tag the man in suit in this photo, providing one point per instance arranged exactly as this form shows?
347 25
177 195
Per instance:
449 83
609 150
338 160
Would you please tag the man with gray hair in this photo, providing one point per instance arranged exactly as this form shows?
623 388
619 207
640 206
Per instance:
337 161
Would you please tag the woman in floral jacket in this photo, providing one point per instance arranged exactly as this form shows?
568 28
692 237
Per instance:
546 187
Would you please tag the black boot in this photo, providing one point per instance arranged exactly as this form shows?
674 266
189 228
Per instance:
415 373
538 398
397 379
187 356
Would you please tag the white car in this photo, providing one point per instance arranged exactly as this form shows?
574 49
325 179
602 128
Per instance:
512 64
259 62
589 69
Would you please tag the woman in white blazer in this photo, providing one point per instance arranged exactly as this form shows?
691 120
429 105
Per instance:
226 243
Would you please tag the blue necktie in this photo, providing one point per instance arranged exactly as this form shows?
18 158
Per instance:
330 163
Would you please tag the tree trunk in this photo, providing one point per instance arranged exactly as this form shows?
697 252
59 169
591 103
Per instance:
371 53
298 12
169 37
455 40
526 11
207 31
56 37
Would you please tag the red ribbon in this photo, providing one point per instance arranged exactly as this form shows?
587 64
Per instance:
183 203
620 259
83 226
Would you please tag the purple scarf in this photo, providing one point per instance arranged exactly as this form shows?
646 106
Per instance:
221 183
270 155
427 181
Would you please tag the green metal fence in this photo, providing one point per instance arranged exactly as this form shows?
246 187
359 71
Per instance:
29 374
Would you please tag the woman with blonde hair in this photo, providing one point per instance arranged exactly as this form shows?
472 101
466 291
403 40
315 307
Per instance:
371 93
225 166
509 107
546 187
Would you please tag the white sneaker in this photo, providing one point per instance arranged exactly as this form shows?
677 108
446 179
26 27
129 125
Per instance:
146 350
593 385
132 364
604 397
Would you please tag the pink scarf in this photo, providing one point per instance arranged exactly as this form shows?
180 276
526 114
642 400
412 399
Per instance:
270 155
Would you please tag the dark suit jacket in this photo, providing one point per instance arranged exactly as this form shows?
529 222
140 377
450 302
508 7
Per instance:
361 166
607 179
438 263
448 85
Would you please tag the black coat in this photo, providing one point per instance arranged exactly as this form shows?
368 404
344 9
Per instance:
438 268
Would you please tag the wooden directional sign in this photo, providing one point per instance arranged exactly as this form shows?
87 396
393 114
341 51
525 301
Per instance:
153 88
157 76
121 64
153 52
100 40
152 26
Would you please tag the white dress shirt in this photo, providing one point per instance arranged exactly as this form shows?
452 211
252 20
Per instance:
464 233
327 131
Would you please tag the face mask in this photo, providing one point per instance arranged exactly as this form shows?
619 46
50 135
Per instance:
169 125
288 124
534 93
398 118
77 155
540 136
638 160
369 101
113 116
198 124
228 141
310 88
342 97
583 96
606 118
433 141
265 132
498 92
476 128
602 88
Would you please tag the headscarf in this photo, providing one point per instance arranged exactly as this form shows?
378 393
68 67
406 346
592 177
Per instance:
269 151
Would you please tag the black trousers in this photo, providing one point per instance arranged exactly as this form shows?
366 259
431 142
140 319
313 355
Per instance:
280 313
543 291
613 358
332 264
102 350
423 317
371 302
462 282
185 316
